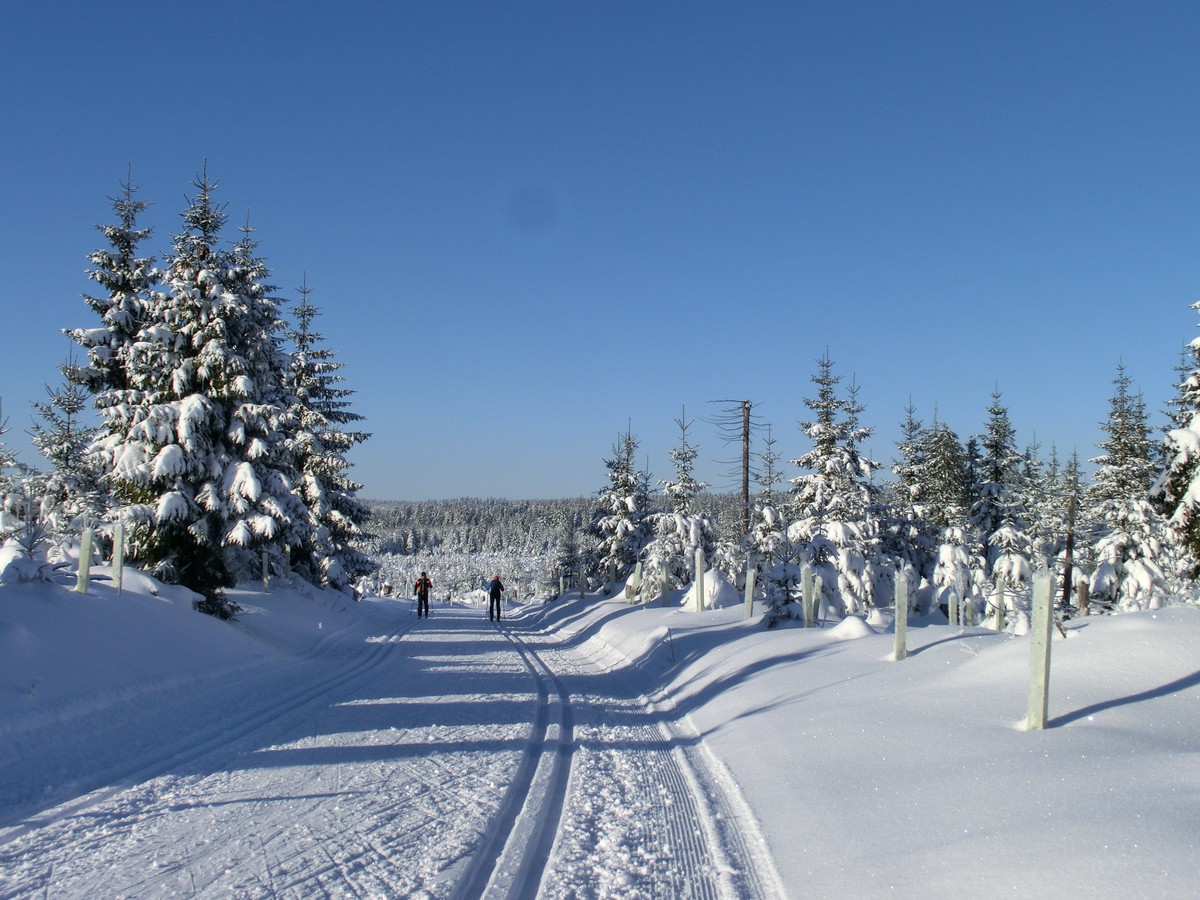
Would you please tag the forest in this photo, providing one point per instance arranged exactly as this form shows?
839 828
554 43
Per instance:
224 428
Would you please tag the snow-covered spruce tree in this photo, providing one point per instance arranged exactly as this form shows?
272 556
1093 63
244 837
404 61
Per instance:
194 454
620 523
998 516
907 533
833 502
679 531
320 410
127 281
775 556
11 511
943 477
1129 574
1177 490
72 495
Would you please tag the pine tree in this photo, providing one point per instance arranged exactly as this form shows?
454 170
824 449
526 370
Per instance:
320 410
1177 490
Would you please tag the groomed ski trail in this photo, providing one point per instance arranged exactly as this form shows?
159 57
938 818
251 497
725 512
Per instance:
649 812
450 757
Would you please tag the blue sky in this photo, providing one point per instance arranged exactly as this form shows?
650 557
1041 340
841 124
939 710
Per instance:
528 225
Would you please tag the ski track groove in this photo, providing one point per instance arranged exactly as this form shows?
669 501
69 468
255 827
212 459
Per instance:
639 753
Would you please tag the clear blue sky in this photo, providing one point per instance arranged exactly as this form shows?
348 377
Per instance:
529 224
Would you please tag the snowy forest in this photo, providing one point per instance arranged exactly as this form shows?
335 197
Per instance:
223 428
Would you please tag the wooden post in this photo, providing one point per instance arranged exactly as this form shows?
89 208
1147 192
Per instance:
999 595
118 560
818 592
85 561
699 580
806 593
751 572
952 608
746 404
1081 598
1039 651
664 584
636 581
266 575
901 604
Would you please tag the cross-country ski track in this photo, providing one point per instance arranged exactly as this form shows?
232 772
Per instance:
398 757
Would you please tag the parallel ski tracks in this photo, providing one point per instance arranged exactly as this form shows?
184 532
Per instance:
102 786
511 860
541 840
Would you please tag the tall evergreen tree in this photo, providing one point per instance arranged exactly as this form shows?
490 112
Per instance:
71 490
127 280
193 452
679 530
1129 573
909 536
1177 491
944 492
620 521
833 499
320 411
997 517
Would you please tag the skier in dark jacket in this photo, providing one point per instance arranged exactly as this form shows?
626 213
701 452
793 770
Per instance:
423 587
494 592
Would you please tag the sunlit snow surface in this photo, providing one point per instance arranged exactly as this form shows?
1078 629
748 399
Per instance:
322 747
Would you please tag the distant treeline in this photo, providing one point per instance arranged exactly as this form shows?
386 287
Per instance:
525 527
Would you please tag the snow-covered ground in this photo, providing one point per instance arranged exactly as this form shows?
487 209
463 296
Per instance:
585 748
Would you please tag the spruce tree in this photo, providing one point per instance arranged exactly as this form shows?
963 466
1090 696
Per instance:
620 522
909 536
72 495
679 530
833 500
194 453
997 516
320 411
128 280
1129 573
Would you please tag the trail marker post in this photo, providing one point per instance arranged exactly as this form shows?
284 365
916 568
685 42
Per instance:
901 603
1039 652
118 558
85 561
806 594
699 580
751 572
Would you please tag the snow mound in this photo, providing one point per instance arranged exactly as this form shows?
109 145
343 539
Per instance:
718 592
851 628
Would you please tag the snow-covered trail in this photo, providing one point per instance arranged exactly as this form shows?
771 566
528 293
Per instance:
447 757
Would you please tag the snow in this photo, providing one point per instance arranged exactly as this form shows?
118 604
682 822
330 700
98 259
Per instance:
585 748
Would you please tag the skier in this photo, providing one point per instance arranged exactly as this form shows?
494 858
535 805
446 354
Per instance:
423 587
494 592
